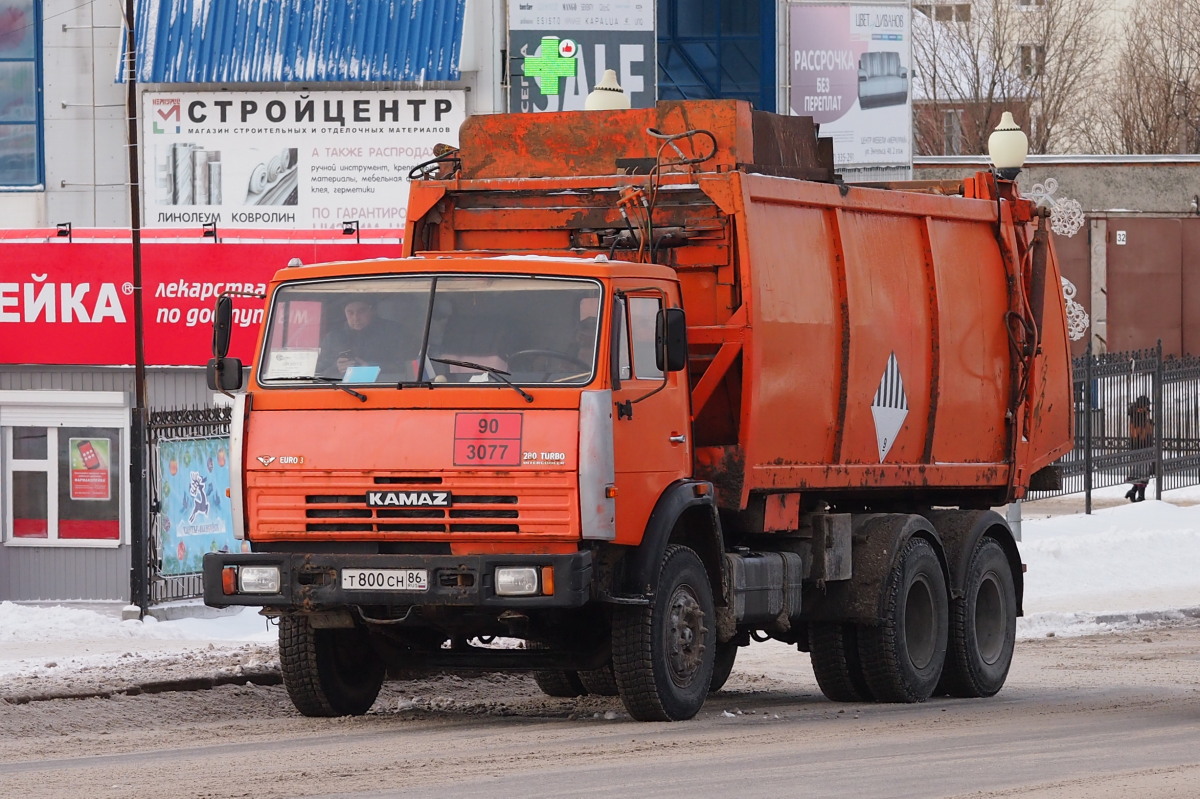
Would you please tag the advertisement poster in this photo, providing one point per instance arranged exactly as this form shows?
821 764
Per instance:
561 49
850 70
90 468
289 160
72 303
193 476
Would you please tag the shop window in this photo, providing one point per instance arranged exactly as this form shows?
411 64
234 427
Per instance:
20 111
63 468
65 483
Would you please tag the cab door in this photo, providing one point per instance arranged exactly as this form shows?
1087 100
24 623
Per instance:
651 417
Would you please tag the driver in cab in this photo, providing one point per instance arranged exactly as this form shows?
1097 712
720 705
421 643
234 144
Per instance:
363 339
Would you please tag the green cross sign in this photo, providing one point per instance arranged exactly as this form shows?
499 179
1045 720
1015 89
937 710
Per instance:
554 61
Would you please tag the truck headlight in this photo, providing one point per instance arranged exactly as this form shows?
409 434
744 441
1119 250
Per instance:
516 581
258 579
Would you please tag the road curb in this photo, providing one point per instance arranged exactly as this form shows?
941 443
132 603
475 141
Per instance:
257 677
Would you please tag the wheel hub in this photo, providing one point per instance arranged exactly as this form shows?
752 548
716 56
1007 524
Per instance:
685 633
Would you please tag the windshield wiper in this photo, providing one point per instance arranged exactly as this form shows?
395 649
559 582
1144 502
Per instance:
333 381
500 374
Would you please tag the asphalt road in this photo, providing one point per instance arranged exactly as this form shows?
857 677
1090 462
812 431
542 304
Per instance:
1116 715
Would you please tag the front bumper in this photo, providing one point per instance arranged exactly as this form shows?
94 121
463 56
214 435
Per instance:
311 581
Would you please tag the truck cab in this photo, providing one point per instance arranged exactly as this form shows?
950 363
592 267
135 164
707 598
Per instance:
473 463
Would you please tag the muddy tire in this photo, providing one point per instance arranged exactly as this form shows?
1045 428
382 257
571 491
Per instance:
902 657
723 665
833 647
983 626
663 652
563 684
334 672
600 682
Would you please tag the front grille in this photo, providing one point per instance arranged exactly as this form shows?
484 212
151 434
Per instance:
335 503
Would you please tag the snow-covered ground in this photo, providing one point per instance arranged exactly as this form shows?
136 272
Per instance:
1124 565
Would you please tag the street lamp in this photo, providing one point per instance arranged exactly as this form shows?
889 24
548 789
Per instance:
1007 147
608 95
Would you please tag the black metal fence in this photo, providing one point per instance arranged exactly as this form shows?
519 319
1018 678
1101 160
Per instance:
1137 420
176 425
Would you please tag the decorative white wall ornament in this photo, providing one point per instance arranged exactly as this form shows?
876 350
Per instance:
1077 318
1066 215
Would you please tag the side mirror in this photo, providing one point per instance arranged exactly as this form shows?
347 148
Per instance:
670 340
224 374
222 326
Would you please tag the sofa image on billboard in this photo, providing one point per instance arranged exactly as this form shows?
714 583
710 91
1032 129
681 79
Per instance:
881 79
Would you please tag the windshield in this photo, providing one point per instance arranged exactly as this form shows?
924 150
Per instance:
395 330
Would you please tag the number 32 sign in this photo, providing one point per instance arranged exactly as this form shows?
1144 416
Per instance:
487 439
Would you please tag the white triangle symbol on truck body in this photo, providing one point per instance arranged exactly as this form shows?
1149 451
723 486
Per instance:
890 407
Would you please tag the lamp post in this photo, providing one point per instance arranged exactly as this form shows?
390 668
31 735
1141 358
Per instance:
1007 148
607 95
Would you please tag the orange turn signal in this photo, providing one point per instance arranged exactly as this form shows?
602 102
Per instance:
229 580
610 492
548 580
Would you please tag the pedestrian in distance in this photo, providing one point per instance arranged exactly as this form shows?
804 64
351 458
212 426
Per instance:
1141 437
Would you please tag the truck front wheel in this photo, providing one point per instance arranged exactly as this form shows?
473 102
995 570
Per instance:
983 626
723 665
328 672
663 652
902 657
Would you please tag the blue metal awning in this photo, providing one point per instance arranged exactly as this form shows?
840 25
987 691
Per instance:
263 41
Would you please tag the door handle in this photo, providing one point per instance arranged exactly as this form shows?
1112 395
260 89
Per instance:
677 439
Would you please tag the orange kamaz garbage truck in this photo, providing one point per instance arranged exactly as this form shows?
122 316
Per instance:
648 386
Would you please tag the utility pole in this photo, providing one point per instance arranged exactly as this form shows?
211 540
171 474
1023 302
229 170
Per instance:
138 466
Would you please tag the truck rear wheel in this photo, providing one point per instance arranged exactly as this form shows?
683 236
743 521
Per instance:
328 672
564 684
903 656
601 681
983 626
833 647
561 683
663 652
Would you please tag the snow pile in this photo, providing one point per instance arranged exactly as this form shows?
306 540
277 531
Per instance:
31 624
